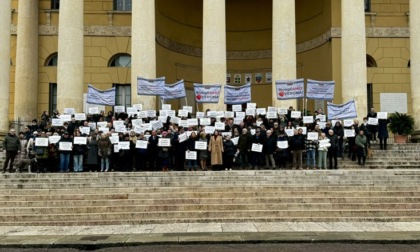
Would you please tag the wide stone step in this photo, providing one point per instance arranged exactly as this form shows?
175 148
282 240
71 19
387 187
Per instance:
239 214
175 201
209 208
212 195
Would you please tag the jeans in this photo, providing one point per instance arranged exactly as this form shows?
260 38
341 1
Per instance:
310 158
64 162
322 159
104 162
192 163
78 163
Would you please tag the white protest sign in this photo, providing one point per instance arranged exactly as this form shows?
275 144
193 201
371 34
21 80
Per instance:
219 126
250 111
114 139
308 119
192 122
65 118
256 147
118 123
120 128
220 113
191 155
237 120
271 115
224 134
322 118
372 121
236 108
85 130
175 120
163 113
187 108
304 130
183 123
166 106
164 142
132 110
205 121
170 113
124 145
209 129
199 145
324 143
322 124
119 109
142 114
229 114
190 132
312 136
80 140
141 144
282 144
211 113
347 123
156 125
116 148
251 105
92 125
253 131
296 114
182 113
162 119
80 116
41 142
240 114
272 109
282 111
54 139
137 122
65 146
235 140
382 115
182 137
102 124
69 111
103 129
289 132
349 133
138 106
199 115
261 111
146 126
151 113
56 122
93 110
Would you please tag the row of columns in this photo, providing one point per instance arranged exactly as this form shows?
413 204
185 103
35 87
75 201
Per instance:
71 67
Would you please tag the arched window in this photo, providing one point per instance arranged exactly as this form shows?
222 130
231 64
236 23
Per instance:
52 60
370 61
120 60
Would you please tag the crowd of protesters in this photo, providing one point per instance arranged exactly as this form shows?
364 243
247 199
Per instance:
222 153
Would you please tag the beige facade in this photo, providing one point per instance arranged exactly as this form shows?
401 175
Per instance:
249 47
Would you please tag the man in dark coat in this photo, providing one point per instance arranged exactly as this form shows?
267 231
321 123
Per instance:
11 144
297 146
333 149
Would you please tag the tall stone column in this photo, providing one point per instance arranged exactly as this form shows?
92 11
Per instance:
214 48
26 76
284 48
143 49
353 54
70 56
415 59
5 22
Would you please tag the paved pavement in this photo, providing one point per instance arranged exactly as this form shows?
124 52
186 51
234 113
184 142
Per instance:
195 233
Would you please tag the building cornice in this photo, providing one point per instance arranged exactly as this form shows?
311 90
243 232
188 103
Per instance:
125 31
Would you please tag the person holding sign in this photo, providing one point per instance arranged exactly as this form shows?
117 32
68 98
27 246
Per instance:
244 147
164 152
228 153
192 164
361 142
92 153
297 146
282 154
257 157
78 152
65 153
339 132
324 144
310 147
383 132
269 149
216 150
104 151
333 149
203 154
11 144
41 151
373 128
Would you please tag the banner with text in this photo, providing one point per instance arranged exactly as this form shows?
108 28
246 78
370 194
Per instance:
342 111
290 89
175 91
151 86
207 93
99 97
320 90
237 95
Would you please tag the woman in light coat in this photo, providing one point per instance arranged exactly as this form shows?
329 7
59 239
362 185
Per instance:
216 150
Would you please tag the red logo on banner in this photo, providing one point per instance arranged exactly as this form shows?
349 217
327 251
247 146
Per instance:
281 93
198 97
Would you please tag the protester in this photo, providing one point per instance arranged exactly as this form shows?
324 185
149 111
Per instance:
11 144
216 150
104 152
361 142
229 151
297 146
333 149
383 133
310 147
65 154
322 152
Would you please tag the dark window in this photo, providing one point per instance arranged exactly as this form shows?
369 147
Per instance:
122 5
55 4
370 61
120 60
53 98
369 96
123 95
367 5
409 64
52 60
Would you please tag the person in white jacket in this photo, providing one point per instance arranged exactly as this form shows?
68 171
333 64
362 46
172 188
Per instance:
322 151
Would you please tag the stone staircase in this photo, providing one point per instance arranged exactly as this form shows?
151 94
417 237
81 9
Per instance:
390 192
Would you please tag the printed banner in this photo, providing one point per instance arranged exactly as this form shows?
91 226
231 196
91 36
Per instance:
207 93
320 90
342 111
237 95
96 96
151 86
290 89
175 91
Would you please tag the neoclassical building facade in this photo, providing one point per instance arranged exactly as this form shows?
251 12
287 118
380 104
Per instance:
51 50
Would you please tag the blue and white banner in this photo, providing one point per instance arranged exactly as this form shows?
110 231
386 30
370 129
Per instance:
175 91
99 97
151 86
237 95
320 90
207 93
290 89
342 111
